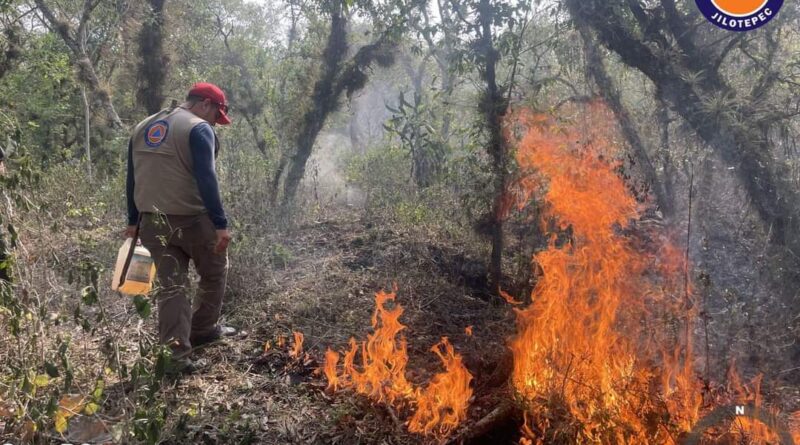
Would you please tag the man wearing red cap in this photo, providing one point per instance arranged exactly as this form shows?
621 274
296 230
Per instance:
174 204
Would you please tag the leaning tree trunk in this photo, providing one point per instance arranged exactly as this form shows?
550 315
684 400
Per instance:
338 77
80 55
736 135
597 71
152 66
323 102
494 105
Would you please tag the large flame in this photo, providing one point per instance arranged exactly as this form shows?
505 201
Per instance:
603 352
588 354
381 373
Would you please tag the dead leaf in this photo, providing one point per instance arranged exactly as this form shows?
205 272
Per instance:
68 406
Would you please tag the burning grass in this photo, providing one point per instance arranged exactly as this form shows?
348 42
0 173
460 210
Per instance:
603 350
380 374
589 366
603 353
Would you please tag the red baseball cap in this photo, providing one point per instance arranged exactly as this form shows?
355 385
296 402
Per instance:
216 96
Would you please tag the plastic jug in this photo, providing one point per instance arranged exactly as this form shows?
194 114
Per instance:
141 270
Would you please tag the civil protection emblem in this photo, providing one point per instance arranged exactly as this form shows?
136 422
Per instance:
155 133
739 15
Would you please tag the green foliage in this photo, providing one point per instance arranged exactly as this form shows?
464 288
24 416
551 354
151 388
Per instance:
280 256
411 122
383 173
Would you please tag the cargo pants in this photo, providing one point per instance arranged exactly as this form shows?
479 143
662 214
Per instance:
173 240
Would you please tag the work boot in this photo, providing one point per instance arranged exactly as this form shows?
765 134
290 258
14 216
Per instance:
185 366
218 333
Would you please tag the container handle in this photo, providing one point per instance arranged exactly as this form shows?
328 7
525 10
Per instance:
130 252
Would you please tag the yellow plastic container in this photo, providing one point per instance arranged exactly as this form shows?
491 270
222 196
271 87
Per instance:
142 269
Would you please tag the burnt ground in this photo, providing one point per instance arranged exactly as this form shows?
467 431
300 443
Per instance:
321 281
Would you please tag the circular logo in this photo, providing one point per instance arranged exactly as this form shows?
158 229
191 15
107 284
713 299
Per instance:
739 15
155 133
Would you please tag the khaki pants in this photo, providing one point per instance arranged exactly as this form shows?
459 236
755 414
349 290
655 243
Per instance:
173 240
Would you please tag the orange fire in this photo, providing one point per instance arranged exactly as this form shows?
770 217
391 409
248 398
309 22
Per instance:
383 356
766 429
297 348
442 405
604 354
589 353
381 373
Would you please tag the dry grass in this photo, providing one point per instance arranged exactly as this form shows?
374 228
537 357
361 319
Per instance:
317 278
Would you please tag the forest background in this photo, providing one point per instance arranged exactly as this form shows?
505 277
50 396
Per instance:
370 146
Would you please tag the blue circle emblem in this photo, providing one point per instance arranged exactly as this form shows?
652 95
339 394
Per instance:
155 133
739 15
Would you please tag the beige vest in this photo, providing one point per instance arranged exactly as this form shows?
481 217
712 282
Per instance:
162 164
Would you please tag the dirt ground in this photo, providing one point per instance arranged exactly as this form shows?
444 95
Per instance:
326 291
318 279
321 282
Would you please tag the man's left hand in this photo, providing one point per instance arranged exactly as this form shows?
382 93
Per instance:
129 232
223 239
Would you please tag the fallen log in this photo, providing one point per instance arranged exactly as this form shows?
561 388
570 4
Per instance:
499 415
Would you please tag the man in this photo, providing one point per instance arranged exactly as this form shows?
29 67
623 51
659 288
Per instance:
173 196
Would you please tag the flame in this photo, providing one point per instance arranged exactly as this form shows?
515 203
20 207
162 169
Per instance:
297 349
603 353
329 368
442 405
750 430
383 356
588 352
381 373
509 299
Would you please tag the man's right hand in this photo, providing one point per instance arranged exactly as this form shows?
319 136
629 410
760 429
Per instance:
129 232
223 239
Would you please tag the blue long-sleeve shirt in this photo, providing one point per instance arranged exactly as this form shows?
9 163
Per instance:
202 143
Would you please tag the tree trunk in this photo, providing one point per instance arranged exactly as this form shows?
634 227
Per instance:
12 51
251 103
5 270
493 105
323 102
597 71
87 116
153 63
338 77
668 177
80 57
735 136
